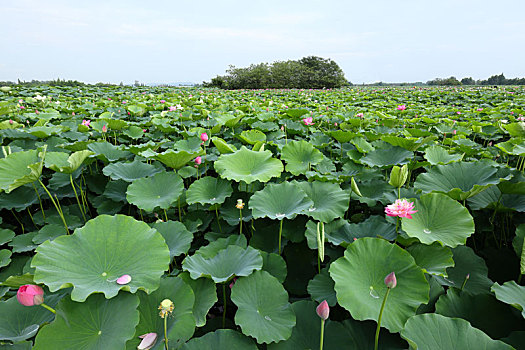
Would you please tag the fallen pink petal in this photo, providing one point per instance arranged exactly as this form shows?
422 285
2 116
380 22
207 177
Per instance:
124 279
148 341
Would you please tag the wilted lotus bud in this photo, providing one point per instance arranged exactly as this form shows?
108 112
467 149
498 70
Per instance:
323 310
390 280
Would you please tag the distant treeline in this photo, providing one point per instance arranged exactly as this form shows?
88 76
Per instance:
493 80
55 82
307 73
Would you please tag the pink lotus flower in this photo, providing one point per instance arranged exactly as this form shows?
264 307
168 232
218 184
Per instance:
124 279
105 128
308 121
360 115
323 310
198 160
86 122
148 341
11 121
479 109
401 107
204 137
458 112
173 108
521 119
22 107
72 113
401 208
390 280
30 294
162 101
454 132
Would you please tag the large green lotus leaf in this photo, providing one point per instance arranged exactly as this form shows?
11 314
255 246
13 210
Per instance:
483 311
65 163
275 265
130 171
438 155
511 293
321 287
329 200
20 198
227 263
205 296
210 250
279 201
222 146
516 129
18 169
191 145
44 131
248 166
433 259
513 146
108 247
177 159
359 282
6 236
158 191
221 339
181 323
19 322
362 145
5 257
252 136
383 157
433 331
519 246
209 190
263 311
466 262
441 219
459 180
98 323
300 156
176 235
107 152
492 198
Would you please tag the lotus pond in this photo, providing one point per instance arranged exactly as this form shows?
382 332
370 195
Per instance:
161 218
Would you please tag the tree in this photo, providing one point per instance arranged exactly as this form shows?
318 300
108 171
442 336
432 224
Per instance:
468 81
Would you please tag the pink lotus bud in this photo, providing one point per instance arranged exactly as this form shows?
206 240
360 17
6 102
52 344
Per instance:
390 280
30 295
105 128
198 160
323 310
73 113
11 121
148 341
454 132
124 279
204 137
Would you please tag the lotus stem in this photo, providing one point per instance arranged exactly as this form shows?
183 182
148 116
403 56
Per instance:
280 233
240 222
165 215
48 308
224 304
218 219
166 332
76 196
40 201
57 205
20 222
322 335
376 342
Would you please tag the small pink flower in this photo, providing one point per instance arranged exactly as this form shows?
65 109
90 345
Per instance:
73 113
36 111
282 127
22 107
521 119
173 108
162 101
198 160
204 137
323 310
144 130
124 279
458 112
308 121
109 98
401 107
360 115
11 121
335 124
479 109
454 132
390 280
86 122
124 102
148 341
20 101
30 294
105 128
401 208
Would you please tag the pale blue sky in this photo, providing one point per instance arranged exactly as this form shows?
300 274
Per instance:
168 41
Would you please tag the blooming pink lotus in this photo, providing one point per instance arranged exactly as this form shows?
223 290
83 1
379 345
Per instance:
86 122
173 108
401 208
162 101
308 121
360 115
204 137
401 107
30 294
198 160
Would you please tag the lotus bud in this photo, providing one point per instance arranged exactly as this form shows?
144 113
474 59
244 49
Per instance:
204 137
398 176
323 310
148 341
390 280
354 187
30 295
